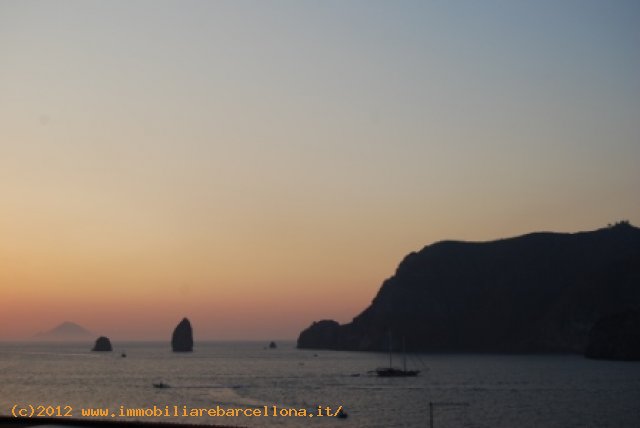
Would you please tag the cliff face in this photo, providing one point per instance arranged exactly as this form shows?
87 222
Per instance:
540 292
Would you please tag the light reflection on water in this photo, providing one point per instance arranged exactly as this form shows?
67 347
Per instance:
501 390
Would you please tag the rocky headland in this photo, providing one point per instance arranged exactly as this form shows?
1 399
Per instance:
540 292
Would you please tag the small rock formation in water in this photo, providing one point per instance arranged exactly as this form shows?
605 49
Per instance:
273 345
182 340
615 337
103 344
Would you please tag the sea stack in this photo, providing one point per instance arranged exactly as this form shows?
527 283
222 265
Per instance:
182 340
103 344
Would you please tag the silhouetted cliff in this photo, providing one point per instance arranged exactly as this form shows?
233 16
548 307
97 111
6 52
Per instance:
540 292
182 339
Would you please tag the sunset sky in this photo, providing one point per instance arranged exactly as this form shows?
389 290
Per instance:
256 166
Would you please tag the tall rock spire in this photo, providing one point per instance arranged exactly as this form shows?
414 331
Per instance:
182 340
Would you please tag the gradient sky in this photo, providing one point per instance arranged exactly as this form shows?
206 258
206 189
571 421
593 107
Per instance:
259 165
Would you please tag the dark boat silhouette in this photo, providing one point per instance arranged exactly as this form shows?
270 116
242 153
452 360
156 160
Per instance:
161 385
342 414
394 371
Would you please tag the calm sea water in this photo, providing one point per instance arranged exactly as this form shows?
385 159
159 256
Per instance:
498 390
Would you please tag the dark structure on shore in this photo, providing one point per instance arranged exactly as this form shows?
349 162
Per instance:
103 344
541 292
182 339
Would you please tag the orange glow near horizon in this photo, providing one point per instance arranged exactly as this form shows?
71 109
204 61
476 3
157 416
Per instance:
256 168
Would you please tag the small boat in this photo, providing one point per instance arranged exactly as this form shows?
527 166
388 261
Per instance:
161 385
395 372
342 414
123 355
273 345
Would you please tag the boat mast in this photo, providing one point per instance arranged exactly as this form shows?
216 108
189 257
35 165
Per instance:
389 348
404 356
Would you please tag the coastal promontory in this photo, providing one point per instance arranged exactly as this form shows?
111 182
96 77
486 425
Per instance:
540 292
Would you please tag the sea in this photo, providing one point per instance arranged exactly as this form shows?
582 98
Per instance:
289 387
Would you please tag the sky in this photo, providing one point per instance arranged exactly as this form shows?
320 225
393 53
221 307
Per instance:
258 165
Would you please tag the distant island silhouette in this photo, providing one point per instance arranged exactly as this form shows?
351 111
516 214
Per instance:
540 292
66 331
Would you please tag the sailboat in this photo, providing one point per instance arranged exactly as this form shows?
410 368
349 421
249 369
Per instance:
394 371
